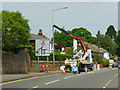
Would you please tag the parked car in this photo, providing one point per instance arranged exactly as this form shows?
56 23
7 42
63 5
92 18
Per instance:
114 64
119 66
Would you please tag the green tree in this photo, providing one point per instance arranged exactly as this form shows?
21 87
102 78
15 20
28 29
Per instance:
111 32
15 31
117 40
108 44
69 51
63 39
67 41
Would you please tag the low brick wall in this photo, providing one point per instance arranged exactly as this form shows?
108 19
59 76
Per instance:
34 64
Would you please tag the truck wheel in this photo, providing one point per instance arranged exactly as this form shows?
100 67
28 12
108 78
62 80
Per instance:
75 72
91 69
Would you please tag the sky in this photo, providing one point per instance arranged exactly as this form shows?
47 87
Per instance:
92 15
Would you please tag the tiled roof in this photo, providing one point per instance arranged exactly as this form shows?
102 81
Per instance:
94 48
35 36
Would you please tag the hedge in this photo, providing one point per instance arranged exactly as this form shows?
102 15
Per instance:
58 57
105 62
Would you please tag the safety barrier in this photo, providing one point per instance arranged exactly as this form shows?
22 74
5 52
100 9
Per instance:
41 68
44 68
101 65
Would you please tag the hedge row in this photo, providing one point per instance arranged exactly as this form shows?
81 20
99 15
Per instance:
105 62
58 57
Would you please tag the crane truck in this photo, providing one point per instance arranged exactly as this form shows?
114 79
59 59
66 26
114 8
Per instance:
85 57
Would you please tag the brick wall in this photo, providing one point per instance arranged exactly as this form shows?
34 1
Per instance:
34 65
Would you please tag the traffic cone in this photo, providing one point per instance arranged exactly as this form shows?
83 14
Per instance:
63 72
85 69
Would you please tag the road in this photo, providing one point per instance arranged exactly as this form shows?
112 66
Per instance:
105 78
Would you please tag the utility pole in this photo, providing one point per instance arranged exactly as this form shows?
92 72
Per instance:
53 35
98 45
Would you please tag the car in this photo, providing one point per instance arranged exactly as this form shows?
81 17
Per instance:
119 66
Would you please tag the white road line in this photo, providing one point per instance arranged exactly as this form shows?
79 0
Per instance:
72 76
106 84
52 82
109 81
90 72
115 75
79 74
35 87
67 77
103 87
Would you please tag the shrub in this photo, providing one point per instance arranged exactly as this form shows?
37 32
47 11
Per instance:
58 57
105 62
96 57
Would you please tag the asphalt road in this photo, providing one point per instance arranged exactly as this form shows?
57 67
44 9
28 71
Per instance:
106 78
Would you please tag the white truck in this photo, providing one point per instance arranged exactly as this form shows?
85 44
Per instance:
85 57
86 61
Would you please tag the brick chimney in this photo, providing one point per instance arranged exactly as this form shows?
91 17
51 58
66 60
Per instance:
40 32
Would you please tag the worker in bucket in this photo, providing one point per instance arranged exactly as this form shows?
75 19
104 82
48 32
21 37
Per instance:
79 67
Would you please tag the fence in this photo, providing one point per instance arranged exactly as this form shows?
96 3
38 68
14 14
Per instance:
34 65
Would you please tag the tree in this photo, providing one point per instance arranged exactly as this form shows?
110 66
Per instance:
67 41
108 44
69 51
15 31
117 40
111 32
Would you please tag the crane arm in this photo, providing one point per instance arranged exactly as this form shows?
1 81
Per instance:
77 38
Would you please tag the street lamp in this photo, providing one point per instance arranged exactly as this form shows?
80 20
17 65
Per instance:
53 36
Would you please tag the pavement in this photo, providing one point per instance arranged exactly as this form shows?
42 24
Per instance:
12 77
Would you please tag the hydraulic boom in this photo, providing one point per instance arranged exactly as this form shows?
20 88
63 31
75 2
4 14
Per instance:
77 38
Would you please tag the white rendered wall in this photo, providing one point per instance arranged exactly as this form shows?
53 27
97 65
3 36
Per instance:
74 44
106 55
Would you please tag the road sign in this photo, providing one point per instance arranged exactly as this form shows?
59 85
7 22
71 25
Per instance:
42 47
74 68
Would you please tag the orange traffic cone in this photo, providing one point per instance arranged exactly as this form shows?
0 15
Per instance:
63 72
85 69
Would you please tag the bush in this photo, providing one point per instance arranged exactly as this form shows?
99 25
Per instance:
58 57
105 62
96 57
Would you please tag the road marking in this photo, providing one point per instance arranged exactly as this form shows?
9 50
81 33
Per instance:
52 82
114 68
103 87
72 76
35 87
106 84
109 81
67 77
26 79
90 72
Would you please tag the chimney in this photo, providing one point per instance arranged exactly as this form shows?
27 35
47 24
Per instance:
40 32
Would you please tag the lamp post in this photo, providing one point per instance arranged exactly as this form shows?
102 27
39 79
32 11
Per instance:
53 35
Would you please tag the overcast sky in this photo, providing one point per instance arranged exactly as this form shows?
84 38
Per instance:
93 16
